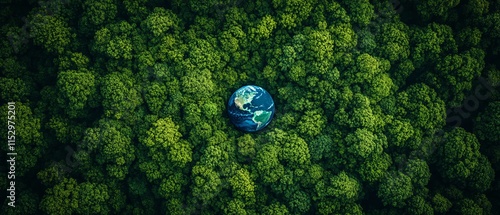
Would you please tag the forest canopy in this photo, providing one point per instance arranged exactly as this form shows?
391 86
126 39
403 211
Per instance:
382 107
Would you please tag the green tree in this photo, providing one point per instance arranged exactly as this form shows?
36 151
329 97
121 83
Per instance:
98 13
235 206
336 13
394 42
440 203
114 40
362 143
344 36
469 37
366 41
111 142
318 48
243 186
62 198
476 8
458 72
120 97
164 136
13 89
418 205
299 202
155 95
482 176
429 9
458 156
294 152
399 132
422 106
468 206
367 67
136 9
66 131
52 174
418 171
311 123
263 28
246 146
73 61
431 43
487 122
77 89
161 21
206 183
341 186
92 198
395 189
275 208
198 84
69 197
50 32
321 147
361 11
374 167
379 87
172 185
292 13
267 164
359 114
203 55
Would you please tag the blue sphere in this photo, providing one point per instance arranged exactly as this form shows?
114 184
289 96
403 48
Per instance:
251 108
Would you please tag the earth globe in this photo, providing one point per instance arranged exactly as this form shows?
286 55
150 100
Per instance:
251 108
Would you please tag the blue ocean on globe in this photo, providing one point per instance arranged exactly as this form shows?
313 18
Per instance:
251 108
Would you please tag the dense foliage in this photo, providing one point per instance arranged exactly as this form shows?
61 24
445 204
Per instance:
121 106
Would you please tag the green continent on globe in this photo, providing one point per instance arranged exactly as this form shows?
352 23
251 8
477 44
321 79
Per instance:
243 98
260 117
